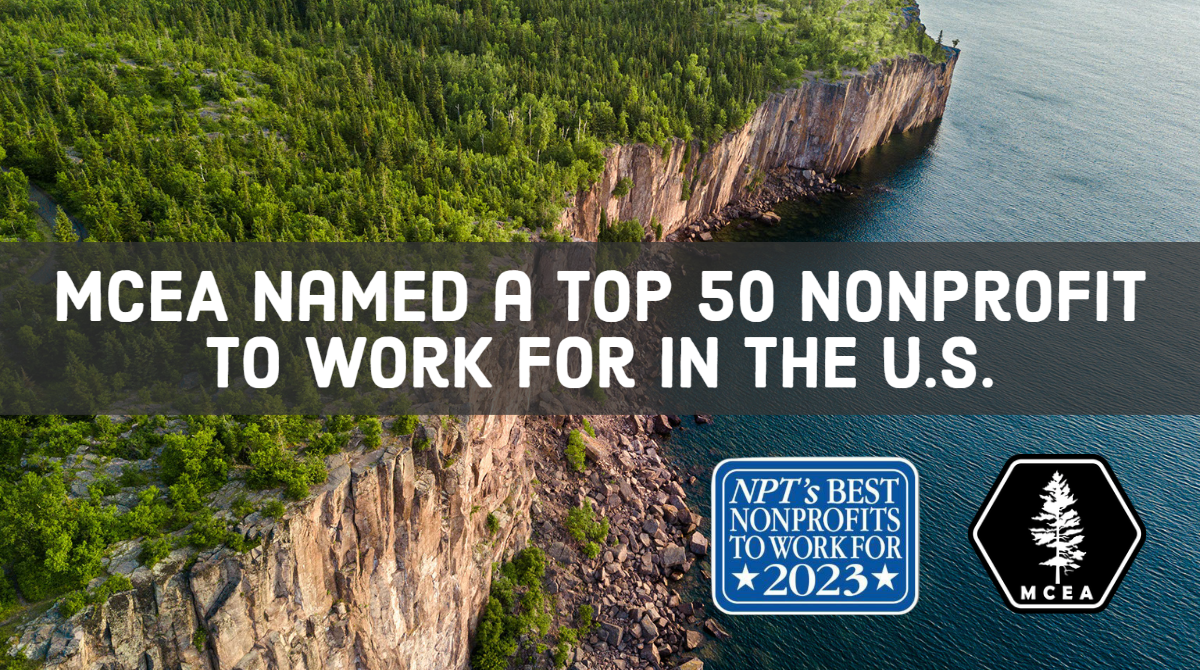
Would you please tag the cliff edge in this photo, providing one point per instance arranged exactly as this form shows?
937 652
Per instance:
821 126
386 565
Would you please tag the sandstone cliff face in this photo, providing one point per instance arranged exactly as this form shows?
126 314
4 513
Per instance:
387 565
820 126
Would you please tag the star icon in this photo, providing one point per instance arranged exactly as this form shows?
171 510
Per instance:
885 578
745 577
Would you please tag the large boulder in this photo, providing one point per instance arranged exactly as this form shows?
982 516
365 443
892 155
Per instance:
714 629
596 450
613 634
650 653
662 425
649 629
561 553
673 556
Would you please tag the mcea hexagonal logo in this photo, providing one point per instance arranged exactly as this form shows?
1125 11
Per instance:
1057 533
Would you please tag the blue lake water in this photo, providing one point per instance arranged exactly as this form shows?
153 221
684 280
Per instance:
1068 121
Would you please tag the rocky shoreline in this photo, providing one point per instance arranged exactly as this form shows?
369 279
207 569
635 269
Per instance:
654 541
785 183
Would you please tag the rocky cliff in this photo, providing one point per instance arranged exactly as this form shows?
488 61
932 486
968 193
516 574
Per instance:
821 126
387 565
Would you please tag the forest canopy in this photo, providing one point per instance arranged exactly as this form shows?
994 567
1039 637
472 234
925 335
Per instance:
413 120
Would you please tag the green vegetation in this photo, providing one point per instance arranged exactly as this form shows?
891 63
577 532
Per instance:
622 231
412 120
569 637
575 452
587 427
50 543
372 431
274 509
18 216
155 550
352 120
53 543
517 607
493 523
405 424
200 638
77 600
64 230
582 525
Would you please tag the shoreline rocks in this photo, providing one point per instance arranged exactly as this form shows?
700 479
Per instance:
654 542
782 185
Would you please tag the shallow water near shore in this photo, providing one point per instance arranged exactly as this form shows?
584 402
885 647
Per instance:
1067 121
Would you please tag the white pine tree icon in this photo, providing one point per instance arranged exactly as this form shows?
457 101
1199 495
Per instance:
1063 532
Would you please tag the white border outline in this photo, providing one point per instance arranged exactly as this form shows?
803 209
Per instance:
907 523
1137 542
818 459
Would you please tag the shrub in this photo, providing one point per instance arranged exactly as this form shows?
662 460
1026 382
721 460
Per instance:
339 423
582 525
505 620
241 506
196 457
587 427
596 392
586 616
494 642
61 545
622 231
567 639
155 550
132 476
102 487
622 187
274 509
328 444
72 603
112 585
591 550
148 516
493 523
372 431
529 567
405 425
8 593
275 465
576 454
208 531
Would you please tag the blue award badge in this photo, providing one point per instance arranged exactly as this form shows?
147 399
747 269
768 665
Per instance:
815 536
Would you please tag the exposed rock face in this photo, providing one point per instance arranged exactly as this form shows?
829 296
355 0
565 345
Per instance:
820 126
387 565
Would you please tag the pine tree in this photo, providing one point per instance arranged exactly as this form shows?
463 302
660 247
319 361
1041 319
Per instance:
1063 532
64 230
